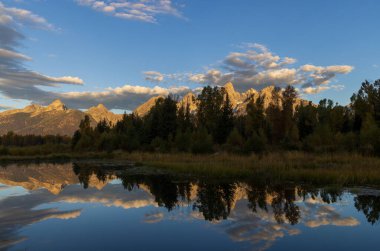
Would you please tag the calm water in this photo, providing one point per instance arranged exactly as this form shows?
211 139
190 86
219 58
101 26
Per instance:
109 207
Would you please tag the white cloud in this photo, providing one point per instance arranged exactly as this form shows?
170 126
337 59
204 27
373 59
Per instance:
139 10
258 67
16 81
10 15
13 55
153 76
127 97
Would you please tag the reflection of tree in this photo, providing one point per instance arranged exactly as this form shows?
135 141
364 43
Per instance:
331 195
281 201
84 172
162 187
164 191
215 200
370 205
83 175
283 205
257 196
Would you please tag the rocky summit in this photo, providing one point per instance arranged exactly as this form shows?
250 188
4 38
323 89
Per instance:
53 119
239 101
57 118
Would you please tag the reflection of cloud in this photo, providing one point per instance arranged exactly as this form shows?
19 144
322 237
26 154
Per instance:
3 187
110 202
326 215
153 217
17 212
262 229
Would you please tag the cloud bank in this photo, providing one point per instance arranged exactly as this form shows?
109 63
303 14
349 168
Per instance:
15 80
258 67
138 10
126 97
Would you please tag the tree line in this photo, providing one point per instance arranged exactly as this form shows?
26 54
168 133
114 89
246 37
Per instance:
215 126
12 139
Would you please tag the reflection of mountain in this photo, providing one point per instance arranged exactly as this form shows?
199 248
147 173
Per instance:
256 213
53 177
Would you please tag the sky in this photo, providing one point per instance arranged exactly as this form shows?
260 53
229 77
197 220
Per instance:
122 52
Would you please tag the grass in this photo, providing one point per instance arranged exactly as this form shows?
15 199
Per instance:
341 168
334 169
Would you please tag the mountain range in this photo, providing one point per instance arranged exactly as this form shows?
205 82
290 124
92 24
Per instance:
238 100
53 119
56 118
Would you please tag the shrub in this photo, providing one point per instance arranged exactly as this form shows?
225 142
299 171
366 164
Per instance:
202 142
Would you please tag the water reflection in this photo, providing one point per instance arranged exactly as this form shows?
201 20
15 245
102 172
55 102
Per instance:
254 212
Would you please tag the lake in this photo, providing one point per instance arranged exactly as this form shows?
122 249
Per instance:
116 206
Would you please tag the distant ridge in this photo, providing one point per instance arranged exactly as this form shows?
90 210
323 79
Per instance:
57 118
143 109
239 101
53 119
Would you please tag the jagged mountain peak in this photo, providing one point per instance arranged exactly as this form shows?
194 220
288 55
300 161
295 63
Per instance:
101 112
52 119
229 86
57 105
267 90
234 96
99 107
32 108
188 100
143 109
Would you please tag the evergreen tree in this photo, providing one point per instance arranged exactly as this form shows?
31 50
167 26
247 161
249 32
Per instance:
255 118
307 119
209 108
225 122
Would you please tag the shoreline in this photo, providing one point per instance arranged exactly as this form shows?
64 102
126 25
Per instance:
326 168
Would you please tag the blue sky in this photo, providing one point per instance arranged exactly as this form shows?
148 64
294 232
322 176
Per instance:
324 48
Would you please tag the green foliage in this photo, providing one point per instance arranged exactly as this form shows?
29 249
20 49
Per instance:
161 120
321 140
366 101
183 141
370 136
202 142
4 151
256 143
235 142
307 119
347 141
225 122
209 108
215 113
161 145
255 119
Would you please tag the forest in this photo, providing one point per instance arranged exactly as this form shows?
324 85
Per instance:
215 127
